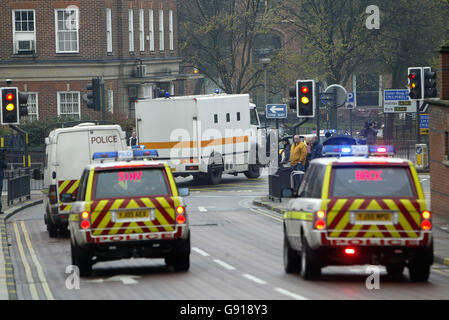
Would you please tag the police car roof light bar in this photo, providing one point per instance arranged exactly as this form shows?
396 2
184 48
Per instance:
126 155
358 150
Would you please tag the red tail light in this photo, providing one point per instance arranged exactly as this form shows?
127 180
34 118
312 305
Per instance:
181 219
426 225
52 194
426 214
350 251
320 224
85 224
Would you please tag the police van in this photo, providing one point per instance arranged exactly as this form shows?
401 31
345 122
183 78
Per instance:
355 207
67 152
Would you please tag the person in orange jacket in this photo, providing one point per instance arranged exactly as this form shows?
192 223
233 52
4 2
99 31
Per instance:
298 156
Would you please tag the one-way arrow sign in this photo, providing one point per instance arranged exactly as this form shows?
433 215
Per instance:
423 107
276 111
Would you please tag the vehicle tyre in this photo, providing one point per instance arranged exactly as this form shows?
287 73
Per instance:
310 269
215 173
82 259
179 259
419 271
253 171
395 270
292 259
51 228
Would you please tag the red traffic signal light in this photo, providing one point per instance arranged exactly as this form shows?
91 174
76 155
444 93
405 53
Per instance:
305 89
306 101
9 96
9 106
415 83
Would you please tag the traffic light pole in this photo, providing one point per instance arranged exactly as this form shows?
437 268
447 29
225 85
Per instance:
318 104
103 100
25 145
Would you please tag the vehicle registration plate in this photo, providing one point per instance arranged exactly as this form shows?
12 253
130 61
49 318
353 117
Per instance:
134 215
373 217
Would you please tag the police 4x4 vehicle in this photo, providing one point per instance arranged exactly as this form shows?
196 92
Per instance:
359 210
126 209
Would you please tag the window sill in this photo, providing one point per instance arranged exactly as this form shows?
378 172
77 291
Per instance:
21 56
68 54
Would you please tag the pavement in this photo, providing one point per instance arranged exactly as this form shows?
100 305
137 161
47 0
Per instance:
440 226
7 284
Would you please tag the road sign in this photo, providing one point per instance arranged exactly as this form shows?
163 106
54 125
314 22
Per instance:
340 95
276 111
350 102
424 124
423 107
398 100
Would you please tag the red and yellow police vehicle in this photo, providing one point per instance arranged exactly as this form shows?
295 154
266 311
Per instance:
357 209
128 208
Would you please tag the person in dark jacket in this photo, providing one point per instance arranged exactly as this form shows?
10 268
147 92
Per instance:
15 144
371 134
286 153
316 149
2 174
133 139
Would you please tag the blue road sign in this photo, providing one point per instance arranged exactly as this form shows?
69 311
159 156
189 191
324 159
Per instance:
424 121
276 111
351 98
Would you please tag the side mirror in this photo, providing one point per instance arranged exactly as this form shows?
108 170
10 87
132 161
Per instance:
67 197
184 192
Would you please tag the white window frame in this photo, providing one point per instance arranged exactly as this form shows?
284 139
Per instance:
109 30
31 114
170 30
151 29
131 30
142 29
111 101
161 31
15 32
59 103
57 31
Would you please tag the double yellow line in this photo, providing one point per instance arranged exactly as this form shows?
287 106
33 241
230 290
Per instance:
38 266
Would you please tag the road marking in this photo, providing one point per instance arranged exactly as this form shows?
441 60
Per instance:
224 264
259 211
253 278
439 271
290 294
28 274
39 269
202 209
201 252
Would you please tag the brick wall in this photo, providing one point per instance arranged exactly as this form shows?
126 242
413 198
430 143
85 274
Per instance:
439 125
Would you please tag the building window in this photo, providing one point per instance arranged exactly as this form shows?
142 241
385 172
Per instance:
33 106
238 116
142 29
110 101
148 91
228 117
161 30
215 118
67 22
109 29
69 104
131 29
24 31
151 22
170 30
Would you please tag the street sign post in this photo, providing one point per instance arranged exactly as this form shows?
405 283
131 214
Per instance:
350 105
276 111
398 100
424 124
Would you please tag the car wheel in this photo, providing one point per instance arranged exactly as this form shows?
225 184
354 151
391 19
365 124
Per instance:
179 259
419 271
310 268
215 174
253 171
395 270
82 259
292 260
52 229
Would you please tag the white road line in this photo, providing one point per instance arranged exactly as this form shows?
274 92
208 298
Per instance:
290 294
202 209
28 274
224 264
253 278
39 269
201 252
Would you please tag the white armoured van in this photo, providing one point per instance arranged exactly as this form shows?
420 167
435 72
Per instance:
67 152
203 136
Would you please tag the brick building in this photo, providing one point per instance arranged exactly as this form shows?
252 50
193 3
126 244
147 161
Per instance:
439 140
52 50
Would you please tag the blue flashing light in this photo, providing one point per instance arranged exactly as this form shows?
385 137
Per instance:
217 91
167 94
358 150
346 150
104 155
146 153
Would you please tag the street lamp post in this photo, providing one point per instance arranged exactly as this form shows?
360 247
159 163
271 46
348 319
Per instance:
265 62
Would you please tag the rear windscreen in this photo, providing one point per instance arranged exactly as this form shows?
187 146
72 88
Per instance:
371 182
131 183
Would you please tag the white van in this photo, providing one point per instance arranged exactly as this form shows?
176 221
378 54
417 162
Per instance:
67 152
203 136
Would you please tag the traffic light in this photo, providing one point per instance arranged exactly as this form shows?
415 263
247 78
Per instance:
23 104
430 83
415 83
10 106
292 100
92 98
305 97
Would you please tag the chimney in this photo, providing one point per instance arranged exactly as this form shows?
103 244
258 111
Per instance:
444 72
